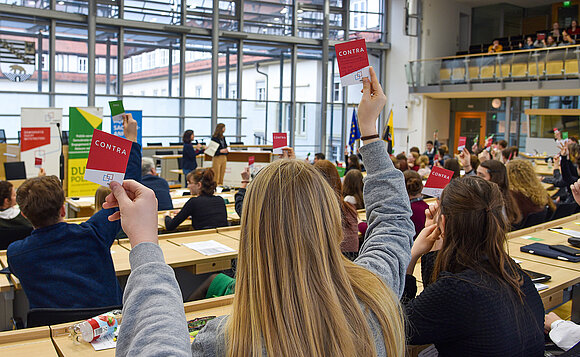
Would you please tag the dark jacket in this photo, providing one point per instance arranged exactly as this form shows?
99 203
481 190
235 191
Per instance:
471 314
69 265
189 161
223 145
161 189
239 198
205 211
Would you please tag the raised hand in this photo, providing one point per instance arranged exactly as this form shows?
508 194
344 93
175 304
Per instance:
371 104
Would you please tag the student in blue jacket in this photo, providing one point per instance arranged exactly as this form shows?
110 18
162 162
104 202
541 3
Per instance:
62 265
190 153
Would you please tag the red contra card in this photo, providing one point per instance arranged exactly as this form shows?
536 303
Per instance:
279 141
437 181
353 61
108 158
461 143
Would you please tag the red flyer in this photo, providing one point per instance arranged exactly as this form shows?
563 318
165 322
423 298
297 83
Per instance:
437 181
461 144
353 61
251 160
108 158
279 141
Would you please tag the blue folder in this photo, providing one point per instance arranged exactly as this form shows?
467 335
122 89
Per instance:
545 251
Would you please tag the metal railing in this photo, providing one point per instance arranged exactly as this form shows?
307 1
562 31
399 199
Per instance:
524 65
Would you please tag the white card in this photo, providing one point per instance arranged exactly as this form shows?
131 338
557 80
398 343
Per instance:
212 148
210 247
104 343
540 286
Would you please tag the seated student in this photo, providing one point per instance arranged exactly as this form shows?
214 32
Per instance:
476 301
527 190
466 162
412 159
206 210
296 296
453 165
528 45
567 40
100 195
10 215
349 215
484 155
62 265
319 156
509 154
424 169
352 163
495 47
431 151
415 149
443 151
402 162
157 184
566 170
565 334
414 185
352 189
495 171
239 196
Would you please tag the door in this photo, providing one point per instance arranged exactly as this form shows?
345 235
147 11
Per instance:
469 124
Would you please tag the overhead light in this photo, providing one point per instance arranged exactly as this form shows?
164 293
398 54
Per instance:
192 6
276 19
31 2
154 19
264 30
299 11
299 18
284 11
61 2
269 25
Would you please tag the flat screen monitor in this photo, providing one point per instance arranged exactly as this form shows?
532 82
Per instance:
15 170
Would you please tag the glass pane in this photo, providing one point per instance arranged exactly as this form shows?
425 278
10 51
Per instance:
268 17
71 60
24 53
106 62
164 12
151 65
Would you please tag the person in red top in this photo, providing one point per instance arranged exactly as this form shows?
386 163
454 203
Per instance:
414 185
574 29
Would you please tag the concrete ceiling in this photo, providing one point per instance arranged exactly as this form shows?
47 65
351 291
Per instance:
520 3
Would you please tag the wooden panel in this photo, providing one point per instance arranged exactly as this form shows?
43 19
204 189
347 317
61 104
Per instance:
444 74
533 69
487 72
473 72
519 69
505 71
554 68
28 342
571 67
210 267
458 73
553 300
572 112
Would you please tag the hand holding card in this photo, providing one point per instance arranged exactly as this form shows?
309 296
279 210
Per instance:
108 158
437 181
130 127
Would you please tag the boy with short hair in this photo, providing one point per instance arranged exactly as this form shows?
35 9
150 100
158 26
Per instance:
62 265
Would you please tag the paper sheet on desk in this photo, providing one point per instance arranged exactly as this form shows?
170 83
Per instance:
540 286
209 247
568 232
104 343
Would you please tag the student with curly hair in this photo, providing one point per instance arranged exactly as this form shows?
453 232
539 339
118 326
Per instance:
530 195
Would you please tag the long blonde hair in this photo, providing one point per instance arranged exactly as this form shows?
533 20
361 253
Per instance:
296 295
100 195
522 178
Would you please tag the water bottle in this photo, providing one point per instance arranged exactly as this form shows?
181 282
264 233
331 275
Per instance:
96 327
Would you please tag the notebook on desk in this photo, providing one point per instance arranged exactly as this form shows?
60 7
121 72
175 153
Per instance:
545 251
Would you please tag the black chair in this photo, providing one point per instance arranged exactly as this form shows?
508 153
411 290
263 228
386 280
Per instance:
164 152
154 144
180 166
564 210
15 170
237 143
534 219
175 144
475 49
2 136
49 316
9 235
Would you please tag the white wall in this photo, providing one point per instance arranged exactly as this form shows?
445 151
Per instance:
441 27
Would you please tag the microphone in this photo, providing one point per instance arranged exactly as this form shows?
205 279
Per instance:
61 159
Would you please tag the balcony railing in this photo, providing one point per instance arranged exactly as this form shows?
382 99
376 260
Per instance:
524 65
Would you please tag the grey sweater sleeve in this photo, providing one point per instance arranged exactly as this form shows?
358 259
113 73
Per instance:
154 321
386 250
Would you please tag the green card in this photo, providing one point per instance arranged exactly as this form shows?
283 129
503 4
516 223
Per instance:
565 135
117 110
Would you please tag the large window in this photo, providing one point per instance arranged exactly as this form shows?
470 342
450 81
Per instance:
251 89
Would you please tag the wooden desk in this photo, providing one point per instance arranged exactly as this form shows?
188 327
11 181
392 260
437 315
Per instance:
6 301
4 262
208 307
543 170
178 255
29 342
80 206
232 232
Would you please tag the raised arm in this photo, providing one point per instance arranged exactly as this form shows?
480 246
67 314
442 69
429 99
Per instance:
387 246
154 322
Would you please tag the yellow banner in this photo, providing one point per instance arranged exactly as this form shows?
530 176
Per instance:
77 184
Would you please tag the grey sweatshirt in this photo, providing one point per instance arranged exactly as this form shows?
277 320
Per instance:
386 252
